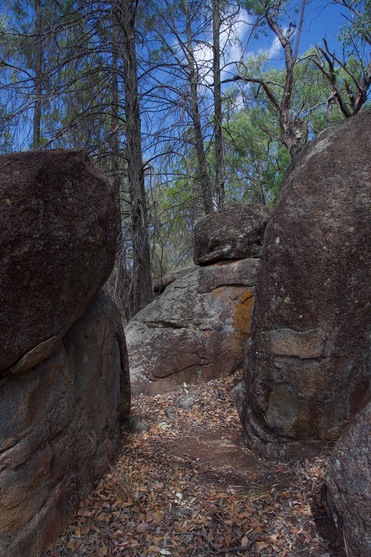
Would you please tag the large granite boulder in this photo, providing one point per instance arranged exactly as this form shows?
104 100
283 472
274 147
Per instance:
195 330
347 493
58 230
308 365
233 233
60 430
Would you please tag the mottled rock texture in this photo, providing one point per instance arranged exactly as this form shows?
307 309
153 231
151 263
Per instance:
308 364
60 429
232 233
195 330
58 230
348 486
160 284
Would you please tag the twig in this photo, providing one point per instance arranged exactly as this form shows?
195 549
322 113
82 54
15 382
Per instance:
223 550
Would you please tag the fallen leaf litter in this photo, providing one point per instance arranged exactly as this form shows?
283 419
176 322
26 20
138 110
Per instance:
189 487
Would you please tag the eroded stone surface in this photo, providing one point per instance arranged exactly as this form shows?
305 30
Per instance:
58 230
60 430
308 365
164 281
348 483
232 233
195 330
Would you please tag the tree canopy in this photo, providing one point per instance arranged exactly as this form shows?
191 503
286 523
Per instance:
175 103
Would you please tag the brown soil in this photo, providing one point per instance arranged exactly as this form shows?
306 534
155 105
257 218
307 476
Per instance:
189 487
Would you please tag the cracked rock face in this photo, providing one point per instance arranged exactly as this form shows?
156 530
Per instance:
195 331
60 429
58 230
307 369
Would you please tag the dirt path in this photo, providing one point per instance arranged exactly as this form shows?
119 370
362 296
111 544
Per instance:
189 487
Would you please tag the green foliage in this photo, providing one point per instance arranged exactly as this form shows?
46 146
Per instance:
78 110
255 156
174 209
358 25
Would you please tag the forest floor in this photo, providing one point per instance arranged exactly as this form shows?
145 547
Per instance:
189 487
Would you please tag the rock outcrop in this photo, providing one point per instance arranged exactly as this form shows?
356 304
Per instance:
195 330
58 230
160 284
347 490
64 383
233 233
308 365
60 430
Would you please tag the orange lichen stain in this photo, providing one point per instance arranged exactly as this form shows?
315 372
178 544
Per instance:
243 312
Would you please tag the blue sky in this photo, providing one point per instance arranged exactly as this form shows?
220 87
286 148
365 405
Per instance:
322 20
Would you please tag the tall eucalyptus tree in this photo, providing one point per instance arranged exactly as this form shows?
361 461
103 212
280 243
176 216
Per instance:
218 112
142 280
190 52
269 14
36 139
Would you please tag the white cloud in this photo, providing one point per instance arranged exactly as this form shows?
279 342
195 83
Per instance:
274 49
272 52
232 37
231 40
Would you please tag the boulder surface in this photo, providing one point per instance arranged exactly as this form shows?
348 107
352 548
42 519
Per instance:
195 330
233 233
348 486
307 369
60 430
58 230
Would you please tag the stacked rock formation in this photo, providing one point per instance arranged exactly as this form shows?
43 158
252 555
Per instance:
197 328
63 361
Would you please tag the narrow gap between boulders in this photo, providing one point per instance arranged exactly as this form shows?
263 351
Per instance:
186 485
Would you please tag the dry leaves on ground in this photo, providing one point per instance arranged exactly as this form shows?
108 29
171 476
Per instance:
188 487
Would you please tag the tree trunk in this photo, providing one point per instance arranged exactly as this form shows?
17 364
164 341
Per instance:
115 137
202 172
142 281
219 148
294 128
36 138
